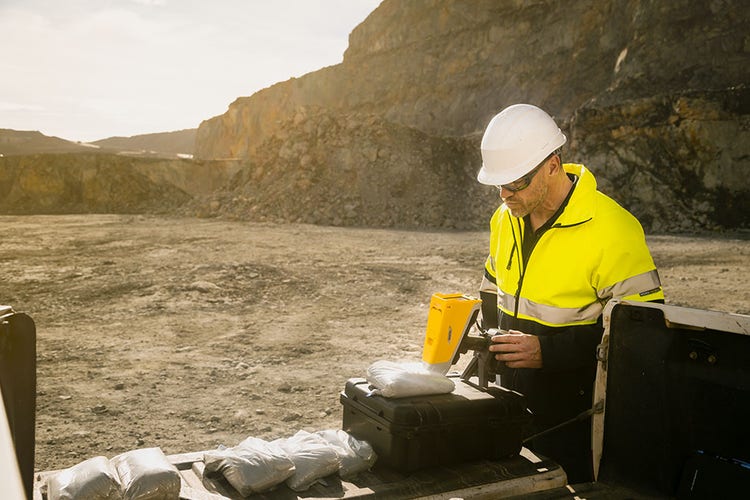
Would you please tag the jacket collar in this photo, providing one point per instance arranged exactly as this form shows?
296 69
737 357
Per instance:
580 207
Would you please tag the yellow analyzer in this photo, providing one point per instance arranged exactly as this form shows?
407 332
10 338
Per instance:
450 318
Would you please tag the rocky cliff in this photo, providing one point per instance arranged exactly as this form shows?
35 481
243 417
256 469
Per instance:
652 95
353 169
104 183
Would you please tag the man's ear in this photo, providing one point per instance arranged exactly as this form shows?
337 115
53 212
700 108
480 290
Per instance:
554 164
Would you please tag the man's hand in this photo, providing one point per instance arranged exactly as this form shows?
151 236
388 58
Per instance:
517 350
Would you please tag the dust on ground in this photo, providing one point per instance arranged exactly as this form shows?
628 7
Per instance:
189 333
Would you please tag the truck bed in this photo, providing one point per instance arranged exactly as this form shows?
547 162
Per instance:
520 475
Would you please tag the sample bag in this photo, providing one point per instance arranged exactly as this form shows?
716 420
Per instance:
355 455
313 459
402 379
92 478
253 466
147 474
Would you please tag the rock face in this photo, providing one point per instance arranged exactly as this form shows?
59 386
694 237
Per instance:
652 95
678 160
101 183
355 169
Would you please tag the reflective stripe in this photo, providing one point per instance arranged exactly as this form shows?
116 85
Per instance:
644 282
487 285
550 315
565 316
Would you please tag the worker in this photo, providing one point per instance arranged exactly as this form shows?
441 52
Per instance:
559 250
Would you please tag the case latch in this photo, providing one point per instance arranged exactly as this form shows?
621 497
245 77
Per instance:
602 351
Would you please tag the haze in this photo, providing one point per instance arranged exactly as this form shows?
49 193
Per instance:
85 70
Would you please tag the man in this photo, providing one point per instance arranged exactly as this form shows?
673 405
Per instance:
559 250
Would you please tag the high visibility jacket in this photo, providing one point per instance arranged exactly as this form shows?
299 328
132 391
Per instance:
592 252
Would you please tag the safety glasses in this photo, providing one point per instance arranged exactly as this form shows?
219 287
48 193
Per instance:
524 181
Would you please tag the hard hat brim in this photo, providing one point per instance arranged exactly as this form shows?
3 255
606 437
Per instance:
508 175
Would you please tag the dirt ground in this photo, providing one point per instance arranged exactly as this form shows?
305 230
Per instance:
190 333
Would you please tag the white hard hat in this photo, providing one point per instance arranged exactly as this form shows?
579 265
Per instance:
517 140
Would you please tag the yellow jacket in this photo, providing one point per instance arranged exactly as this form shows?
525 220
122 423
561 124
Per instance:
594 251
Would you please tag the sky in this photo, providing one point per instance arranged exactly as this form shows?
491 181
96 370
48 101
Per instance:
85 70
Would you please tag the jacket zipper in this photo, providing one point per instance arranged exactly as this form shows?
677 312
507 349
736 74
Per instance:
523 266
521 270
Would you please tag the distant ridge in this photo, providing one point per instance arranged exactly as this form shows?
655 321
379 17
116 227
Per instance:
24 142
159 145
180 142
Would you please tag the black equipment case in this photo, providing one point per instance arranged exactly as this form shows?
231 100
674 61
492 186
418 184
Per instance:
424 431
18 384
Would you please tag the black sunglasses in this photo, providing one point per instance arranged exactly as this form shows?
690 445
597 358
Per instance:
524 181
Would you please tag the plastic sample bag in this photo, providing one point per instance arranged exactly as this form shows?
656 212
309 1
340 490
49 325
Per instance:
253 466
355 455
92 478
402 379
147 474
313 458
